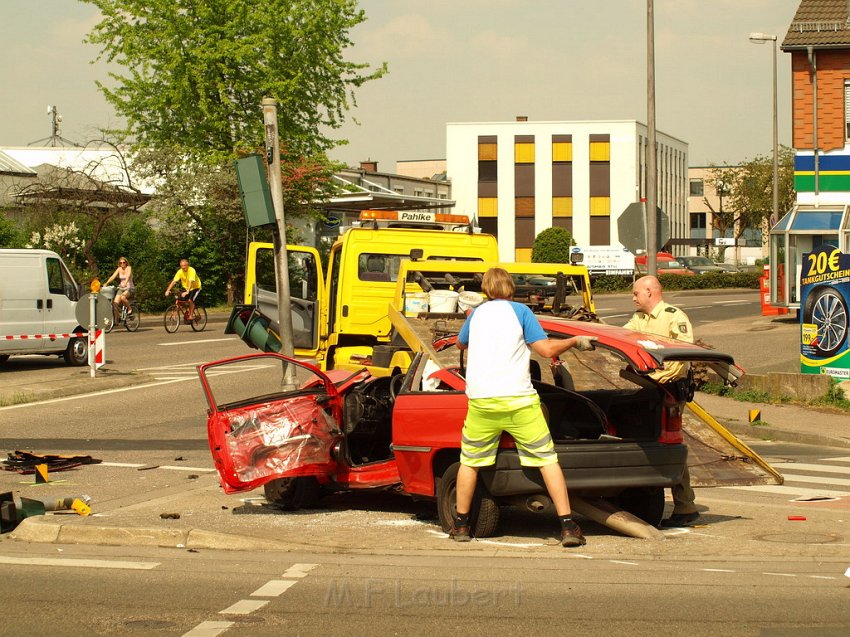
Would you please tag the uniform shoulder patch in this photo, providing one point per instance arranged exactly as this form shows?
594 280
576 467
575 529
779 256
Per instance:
671 309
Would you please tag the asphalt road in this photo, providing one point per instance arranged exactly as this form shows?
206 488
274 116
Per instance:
382 566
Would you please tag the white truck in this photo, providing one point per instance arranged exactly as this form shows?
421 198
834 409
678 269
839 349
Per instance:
38 302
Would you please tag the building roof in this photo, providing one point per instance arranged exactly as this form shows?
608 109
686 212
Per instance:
819 24
10 166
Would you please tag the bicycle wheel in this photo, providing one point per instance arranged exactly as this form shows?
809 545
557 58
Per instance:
133 320
116 316
199 320
172 319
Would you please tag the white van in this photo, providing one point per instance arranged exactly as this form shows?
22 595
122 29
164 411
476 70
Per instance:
38 295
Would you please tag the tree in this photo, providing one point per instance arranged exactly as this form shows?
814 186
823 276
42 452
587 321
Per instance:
197 71
552 246
97 192
746 192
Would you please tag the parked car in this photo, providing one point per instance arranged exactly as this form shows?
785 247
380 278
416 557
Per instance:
665 262
700 265
729 267
298 432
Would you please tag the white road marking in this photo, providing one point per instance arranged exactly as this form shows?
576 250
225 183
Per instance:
76 563
822 577
782 574
617 315
208 629
795 477
131 465
821 468
697 307
274 588
622 562
522 545
738 302
206 340
244 607
175 367
787 490
105 392
718 570
844 459
299 570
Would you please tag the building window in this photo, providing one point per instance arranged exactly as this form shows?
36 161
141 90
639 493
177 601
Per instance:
697 188
399 190
417 193
698 221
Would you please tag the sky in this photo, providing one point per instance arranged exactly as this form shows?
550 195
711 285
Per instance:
465 61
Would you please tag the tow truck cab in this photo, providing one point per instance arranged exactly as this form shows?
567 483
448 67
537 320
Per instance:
340 317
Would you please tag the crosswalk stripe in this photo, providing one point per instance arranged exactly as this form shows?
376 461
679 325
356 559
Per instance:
802 466
789 490
838 482
844 459
78 563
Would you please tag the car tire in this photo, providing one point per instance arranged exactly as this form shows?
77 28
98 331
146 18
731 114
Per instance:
3 358
826 308
484 516
77 352
291 494
647 503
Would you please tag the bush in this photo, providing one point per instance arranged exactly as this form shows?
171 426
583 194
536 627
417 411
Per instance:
710 281
552 246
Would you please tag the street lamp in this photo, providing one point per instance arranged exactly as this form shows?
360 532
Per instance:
761 38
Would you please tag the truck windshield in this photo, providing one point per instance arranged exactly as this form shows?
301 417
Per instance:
384 267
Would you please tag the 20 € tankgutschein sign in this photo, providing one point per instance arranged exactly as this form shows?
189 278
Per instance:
824 299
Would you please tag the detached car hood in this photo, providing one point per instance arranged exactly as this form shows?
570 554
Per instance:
647 352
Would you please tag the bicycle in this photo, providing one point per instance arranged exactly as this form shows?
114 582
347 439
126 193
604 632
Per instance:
131 321
179 313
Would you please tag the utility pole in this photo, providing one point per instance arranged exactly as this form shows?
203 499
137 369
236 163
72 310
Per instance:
651 207
284 317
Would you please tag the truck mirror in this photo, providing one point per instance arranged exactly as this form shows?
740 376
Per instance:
416 254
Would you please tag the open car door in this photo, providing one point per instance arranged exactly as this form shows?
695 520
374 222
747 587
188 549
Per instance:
260 428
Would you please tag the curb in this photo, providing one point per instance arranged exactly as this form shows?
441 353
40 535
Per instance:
767 432
40 531
104 382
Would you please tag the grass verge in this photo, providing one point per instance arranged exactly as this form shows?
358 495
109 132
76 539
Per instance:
834 398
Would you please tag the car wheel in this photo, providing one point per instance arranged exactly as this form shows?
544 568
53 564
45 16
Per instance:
291 494
647 503
484 516
77 352
826 308
3 358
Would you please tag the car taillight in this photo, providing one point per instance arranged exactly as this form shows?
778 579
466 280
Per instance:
671 431
674 416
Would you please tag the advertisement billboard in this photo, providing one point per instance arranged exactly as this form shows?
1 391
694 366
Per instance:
607 259
824 299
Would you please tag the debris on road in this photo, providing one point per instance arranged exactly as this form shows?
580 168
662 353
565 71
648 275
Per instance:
170 516
25 462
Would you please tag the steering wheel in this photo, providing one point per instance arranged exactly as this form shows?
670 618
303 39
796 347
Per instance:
395 385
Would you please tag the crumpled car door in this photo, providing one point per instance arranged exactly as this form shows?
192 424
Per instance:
269 417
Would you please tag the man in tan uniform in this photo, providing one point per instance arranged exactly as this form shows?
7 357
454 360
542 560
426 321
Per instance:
654 316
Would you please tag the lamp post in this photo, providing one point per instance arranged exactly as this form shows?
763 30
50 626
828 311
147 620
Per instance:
761 38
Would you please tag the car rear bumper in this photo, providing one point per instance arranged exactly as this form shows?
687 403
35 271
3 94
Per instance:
603 468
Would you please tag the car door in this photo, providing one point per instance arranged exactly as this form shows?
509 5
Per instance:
269 417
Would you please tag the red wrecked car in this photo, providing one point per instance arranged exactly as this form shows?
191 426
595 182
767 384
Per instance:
285 425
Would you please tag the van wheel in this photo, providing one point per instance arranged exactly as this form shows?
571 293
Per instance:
647 503
484 515
291 494
77 352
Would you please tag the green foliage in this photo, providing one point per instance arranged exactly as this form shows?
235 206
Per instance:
196 72
552 246
835 397
748 191
709 281
11 235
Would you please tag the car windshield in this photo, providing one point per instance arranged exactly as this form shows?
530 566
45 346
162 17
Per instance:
669 265
699 261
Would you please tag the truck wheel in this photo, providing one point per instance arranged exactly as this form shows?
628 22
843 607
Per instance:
825 307
647 503
77 352
484 516
291 494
